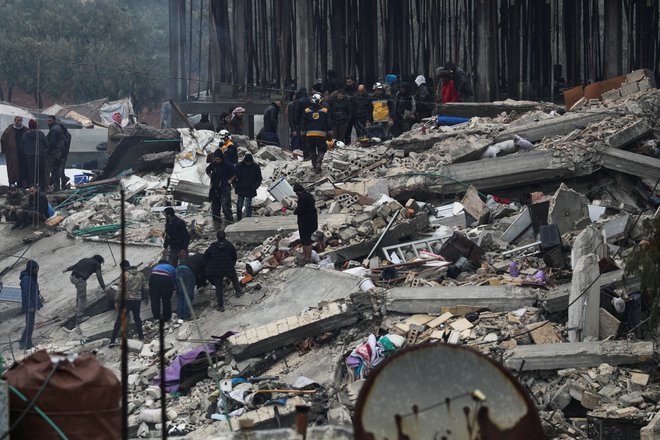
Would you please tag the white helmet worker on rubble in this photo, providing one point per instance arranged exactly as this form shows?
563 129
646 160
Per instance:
316 98
225 135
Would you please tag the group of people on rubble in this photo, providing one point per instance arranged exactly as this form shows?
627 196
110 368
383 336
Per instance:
34 158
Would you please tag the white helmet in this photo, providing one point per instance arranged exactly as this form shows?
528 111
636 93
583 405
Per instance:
340 144
316 98
378 86
224 135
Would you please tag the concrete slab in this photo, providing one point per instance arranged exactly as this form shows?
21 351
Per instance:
254 230
54 254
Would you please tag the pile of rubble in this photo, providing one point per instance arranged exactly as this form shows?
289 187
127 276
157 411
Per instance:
477 235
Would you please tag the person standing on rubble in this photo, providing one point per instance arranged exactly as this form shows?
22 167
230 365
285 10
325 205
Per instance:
33 211
11 148
404 110
204 123
115 133
362 110
136 291
235 125
177 237
58 150
268 134
341 113
448 92
382 111
162 284
308 220
246 182
221 173
220 259
190 273
423 98
30 301
80 273
316 129
229 150
302 101
34 146
223 123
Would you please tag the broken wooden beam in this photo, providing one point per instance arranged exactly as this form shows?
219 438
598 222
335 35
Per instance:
432 299
578 355
631 163
551 127
263 339
253 230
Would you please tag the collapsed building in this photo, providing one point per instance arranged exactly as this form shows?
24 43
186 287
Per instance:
505 234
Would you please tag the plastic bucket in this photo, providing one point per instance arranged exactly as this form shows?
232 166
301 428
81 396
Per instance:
281 189
366 284
253 267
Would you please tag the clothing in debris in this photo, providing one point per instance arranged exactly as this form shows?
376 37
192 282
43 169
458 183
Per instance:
366 356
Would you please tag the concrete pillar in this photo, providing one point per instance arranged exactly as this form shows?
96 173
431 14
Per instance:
583 314
304 44
589 241
486 44
177 15
612 31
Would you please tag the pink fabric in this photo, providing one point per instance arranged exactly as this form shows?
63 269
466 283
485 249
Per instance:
116 117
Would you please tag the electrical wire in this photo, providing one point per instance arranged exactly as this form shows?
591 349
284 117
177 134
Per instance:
586 289
33 401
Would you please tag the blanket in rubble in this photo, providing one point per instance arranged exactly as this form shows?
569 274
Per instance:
369 354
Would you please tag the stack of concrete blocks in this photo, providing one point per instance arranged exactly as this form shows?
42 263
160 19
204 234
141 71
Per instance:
639 80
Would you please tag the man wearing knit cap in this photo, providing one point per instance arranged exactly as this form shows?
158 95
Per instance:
307 219
222 173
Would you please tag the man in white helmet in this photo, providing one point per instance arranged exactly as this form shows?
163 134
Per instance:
227 147
316 128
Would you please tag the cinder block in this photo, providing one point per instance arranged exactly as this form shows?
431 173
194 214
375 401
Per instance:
645 84
629 89
611 95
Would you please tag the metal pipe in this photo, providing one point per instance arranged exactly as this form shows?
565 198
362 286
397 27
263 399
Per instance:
124 339
163 395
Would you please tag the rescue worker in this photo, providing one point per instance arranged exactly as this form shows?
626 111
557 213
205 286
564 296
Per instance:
220 260
221 172
229 150
382 111
137 290
177 237
80 273
316 129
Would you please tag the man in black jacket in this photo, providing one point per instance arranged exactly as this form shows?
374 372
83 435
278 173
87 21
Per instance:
220 259
362 110
341 112
268 133
246 182
308 221
221 173
204 123
34 146
56 150
404 110
176 237
190 273
34 210
302 101
80 272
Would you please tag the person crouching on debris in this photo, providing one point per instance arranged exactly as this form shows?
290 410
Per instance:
177 237
30 301
190 273
136 291
307 219
13 203
33 211
246 182
162 283
448 92
80 272
220 259
221 173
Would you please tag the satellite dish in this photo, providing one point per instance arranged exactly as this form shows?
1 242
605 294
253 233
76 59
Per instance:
444 392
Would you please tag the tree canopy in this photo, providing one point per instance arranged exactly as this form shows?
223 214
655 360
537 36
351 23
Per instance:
86 49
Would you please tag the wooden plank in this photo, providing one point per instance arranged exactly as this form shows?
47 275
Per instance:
631 163
432 299
578 355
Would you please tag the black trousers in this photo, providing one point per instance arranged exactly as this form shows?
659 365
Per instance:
218 283
161 289
132 306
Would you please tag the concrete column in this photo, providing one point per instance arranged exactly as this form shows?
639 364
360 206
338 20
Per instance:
612 31
177 15
486 49
583 315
